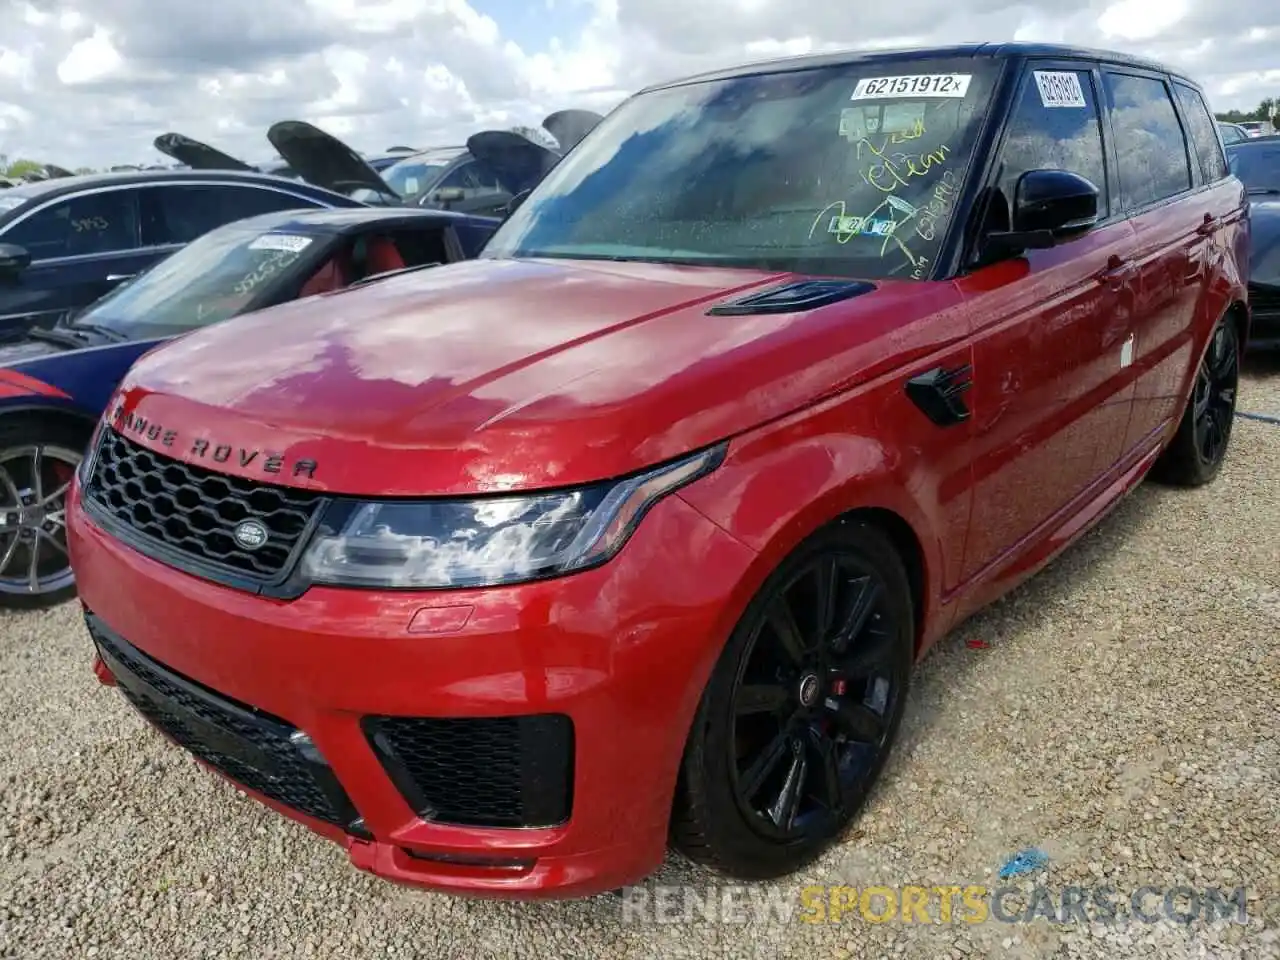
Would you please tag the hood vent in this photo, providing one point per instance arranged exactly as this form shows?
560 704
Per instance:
793 297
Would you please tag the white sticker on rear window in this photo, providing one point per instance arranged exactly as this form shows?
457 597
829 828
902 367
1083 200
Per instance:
920 85
280 241
1060 89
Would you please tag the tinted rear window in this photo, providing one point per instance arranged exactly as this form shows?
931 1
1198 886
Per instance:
1204 133
1149 142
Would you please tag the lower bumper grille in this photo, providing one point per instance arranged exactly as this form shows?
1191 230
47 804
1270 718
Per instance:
255 749
1264 302
480 771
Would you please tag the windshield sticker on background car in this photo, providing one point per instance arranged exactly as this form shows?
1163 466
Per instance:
269 267
921 85
1059 89
280 241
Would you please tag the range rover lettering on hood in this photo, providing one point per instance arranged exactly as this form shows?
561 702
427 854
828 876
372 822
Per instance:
202 448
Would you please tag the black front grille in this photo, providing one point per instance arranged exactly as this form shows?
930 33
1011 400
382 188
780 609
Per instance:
192 512
484 772
257 750
1264 302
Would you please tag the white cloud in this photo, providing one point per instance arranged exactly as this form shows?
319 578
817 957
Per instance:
1142 19
92 82
90 60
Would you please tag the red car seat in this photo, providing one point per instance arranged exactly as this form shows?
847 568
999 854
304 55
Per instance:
382 256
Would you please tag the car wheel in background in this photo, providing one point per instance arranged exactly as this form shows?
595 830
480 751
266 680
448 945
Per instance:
801 710
37 464
1196 453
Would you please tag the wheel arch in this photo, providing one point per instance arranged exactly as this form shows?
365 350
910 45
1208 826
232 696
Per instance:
37 412
910 550
1238 311
777 502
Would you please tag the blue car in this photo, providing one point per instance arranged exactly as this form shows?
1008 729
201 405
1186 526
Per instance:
56 381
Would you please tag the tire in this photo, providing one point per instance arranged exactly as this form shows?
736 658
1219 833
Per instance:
61 448
1195 455
757 692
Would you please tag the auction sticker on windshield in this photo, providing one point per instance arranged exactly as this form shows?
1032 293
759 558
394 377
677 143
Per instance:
280 241
921 85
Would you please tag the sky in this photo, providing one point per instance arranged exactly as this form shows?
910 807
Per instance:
93 82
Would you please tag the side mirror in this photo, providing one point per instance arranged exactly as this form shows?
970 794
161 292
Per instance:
448 195
1049 207
13 259
514 203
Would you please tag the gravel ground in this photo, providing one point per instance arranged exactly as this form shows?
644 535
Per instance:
1123 718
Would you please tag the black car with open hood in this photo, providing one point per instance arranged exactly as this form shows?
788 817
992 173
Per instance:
325 161
570 126
196 155
480 178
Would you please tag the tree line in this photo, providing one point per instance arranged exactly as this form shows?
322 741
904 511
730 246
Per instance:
1264 111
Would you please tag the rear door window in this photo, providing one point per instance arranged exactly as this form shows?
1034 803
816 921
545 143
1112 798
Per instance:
1204 133
179 214
1151 150
103 222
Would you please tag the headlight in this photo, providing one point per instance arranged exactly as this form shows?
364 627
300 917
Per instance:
490 540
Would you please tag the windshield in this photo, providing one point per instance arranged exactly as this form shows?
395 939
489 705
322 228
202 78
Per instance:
1231 133
1258 166
846 171
411 176
224 273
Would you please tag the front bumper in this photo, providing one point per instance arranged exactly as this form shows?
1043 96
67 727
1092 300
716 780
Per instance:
441 737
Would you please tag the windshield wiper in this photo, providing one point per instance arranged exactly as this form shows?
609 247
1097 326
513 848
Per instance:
61 337
115 336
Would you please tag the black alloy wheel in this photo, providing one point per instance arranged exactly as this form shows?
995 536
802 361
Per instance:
813 697
1196 453
800 715
1214 396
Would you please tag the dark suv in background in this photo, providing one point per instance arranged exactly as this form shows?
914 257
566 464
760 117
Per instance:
64 243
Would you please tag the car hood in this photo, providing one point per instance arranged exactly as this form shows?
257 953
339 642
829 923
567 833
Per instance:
196 155
13 351
325 161
493 375
517 162
1264 252
570 126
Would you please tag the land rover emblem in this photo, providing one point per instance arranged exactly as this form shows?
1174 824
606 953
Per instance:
250 534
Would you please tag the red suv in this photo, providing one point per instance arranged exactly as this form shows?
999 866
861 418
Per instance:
505 573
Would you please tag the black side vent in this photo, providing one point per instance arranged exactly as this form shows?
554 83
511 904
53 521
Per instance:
939 393
793 297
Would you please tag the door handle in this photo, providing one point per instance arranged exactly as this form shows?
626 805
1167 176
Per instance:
1210 224
1116 272
117 277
